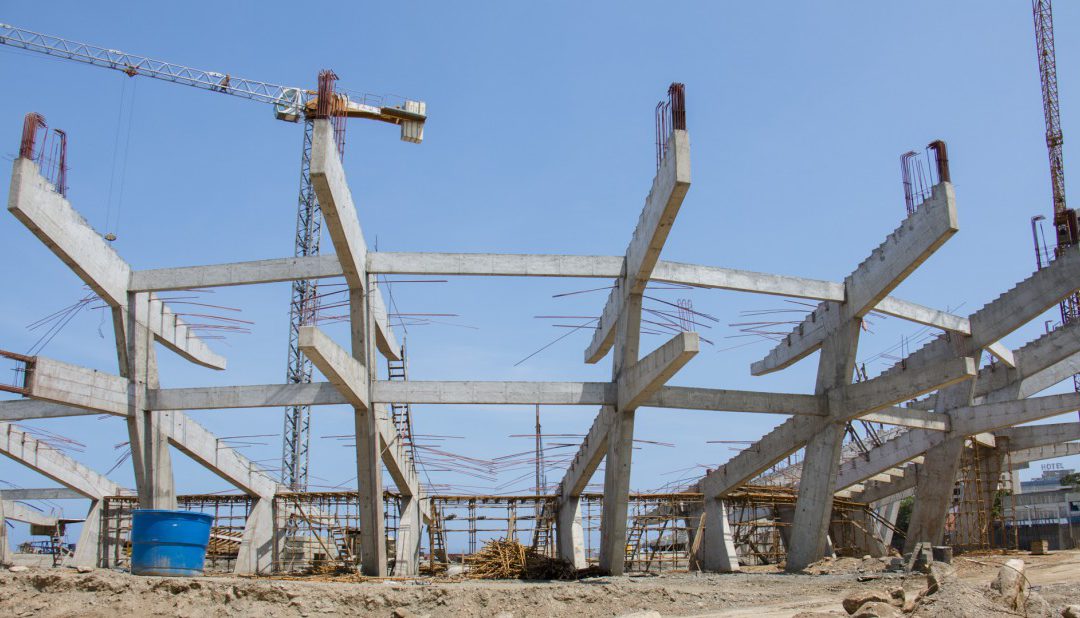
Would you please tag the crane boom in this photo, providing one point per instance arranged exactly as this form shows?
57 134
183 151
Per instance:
1065 224
289 100
290 104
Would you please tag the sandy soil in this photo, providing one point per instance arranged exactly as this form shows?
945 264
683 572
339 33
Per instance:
64 592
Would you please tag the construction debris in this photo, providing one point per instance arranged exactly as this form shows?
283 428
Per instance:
508 559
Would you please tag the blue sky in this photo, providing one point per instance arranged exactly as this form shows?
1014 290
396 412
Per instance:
540 139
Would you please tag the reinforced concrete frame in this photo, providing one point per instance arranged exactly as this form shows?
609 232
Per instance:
969 401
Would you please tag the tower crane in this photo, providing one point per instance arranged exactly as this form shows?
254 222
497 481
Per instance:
1065 225
291 104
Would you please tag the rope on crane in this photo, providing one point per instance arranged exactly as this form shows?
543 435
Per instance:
117 181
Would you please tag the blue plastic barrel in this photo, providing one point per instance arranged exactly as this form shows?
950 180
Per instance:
170 543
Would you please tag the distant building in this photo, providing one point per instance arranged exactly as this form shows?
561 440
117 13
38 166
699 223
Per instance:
1050 480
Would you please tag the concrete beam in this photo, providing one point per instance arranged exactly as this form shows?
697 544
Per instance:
590 454
203 446
344 372
922 233
909 417
638 383
782 441
335 200
236 273
669 187
385 340
441 392
911 244
717 399
58 382
59 227
249 396
888 390
1032 436
43 493
495 393
56 223
1050 451
1028 299
20 512
966 421
1039 365
41 458
994 416
27 409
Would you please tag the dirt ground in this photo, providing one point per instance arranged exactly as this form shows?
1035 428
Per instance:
763 592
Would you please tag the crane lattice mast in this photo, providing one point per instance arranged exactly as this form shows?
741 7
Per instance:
1065 226
290 104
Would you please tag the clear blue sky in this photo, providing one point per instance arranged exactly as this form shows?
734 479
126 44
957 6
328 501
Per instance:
540 139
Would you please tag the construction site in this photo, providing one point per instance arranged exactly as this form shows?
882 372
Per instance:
447 437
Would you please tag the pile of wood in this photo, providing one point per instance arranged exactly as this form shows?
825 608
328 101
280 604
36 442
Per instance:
508 559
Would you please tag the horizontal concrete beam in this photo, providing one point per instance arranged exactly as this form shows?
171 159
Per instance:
20 512
909 417
967 421
27 409
1050 451
43 459
345 372
638 383
494 393
1032 436
717 399
43 493
58 382
237 273
1039 364
994 416
477 393
927 316
888 390
248 396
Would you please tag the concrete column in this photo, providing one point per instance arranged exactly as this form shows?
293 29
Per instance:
937 475
821 457
150 455
5 549
407 544
813 511
88 547
717 542
368 455
617 463
256 555
934 493
616 493
569 534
